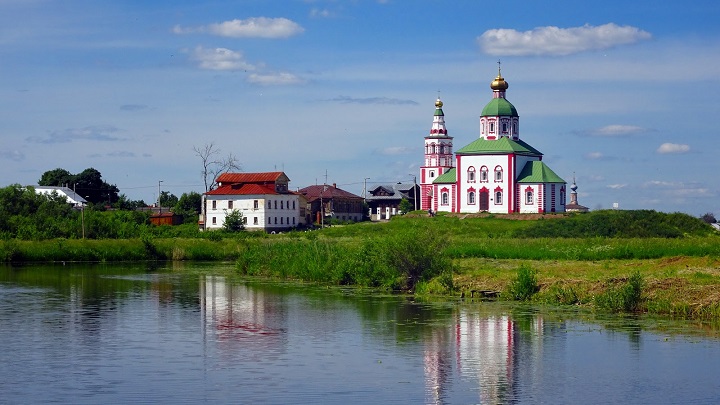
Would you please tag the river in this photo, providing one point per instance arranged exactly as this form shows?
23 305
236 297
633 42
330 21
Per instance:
195 333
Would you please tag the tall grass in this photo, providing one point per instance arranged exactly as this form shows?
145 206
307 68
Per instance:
626 297
525 285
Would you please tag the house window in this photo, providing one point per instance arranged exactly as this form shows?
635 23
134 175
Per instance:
293 220
230 204
471 197
293 204
281 220
214 220
275 204
498 174
269 204
214 204
275 220
498 198
244 220
444 198
471 174
282 205
529 197
255 204
255 220
484 174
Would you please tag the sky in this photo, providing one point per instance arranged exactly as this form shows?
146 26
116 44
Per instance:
622 95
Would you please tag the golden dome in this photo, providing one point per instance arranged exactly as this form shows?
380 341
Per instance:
438 103
499 83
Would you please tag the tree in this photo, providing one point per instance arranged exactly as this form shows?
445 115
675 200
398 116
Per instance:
56 177
405 206
88 184
189 206
709 218
123 203
213 166
234 221
167 200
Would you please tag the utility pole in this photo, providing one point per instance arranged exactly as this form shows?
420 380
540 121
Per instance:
414 190
159 205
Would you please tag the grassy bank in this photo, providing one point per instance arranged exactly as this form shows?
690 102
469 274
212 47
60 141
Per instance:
677 275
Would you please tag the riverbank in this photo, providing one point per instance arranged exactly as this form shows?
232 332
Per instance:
458 256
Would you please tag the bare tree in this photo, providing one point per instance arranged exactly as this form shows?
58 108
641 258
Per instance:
213 165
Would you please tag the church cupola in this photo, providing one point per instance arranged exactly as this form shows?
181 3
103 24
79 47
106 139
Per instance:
438 125
439 156
499 118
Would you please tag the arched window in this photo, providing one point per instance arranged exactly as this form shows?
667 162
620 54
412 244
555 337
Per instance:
444 198
471 174
498 174
432 174
529 197
504 127
498 198
492 127
483 174
471 197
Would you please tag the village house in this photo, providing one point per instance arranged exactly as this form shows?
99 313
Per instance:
71 196
497 173
384 200
327 202
263 199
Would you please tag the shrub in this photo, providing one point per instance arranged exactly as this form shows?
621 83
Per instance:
525 284
626 297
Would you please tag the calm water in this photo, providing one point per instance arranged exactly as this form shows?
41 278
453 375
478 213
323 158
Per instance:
130 334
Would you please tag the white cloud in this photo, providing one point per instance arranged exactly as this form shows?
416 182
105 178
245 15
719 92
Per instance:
14 155
275 79
616 186
558 41
220 59
89 133
617 130
256 27
398 150
372 100
324 13
594 155
673 148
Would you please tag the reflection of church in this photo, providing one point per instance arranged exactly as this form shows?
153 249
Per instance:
497 173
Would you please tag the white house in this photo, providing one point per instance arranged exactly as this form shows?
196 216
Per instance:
497 173
72 197
263 199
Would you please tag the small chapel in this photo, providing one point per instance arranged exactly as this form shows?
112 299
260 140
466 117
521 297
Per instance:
496 173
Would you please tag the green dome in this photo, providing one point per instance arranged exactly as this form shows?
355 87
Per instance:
499 107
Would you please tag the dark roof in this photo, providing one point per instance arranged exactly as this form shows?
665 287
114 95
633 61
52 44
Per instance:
326 191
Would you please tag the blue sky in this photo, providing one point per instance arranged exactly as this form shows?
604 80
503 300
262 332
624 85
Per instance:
625 95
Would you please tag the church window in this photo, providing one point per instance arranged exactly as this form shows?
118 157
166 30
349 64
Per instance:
432 174
482 127
483 174
471 174
444 198
492 127
471 197
504 127
529 197
498 174
498 197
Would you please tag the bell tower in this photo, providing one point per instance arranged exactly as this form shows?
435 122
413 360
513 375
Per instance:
438 156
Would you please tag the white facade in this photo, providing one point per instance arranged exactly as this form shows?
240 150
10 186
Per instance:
260 212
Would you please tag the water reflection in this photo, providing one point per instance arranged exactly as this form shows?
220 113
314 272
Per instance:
95 334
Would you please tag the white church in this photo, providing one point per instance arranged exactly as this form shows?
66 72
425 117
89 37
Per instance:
496 173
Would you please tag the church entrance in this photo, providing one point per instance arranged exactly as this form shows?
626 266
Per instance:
484 203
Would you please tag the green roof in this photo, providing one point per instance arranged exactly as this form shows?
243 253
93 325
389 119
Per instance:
499 107
447 177
538 172
503 145
439 111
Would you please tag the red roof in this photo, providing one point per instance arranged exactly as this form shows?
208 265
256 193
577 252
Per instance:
327 191
264 177
242 189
